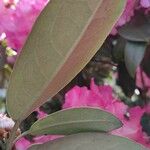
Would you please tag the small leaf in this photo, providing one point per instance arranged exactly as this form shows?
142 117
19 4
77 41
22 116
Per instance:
90 141
75 120
65 37
134 53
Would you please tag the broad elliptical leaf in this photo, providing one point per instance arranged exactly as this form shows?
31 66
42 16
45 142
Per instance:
75 120
90 141
64 38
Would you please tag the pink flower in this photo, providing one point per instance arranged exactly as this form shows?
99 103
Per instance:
24 144
131 127
145 3
97 96
43 139
143 81
126 16
17 22
77 97
41 114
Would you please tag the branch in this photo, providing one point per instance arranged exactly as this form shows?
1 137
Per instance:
12 136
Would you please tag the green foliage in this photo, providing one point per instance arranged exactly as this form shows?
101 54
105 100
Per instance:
64 38
133 55
137 29
89 141
75 120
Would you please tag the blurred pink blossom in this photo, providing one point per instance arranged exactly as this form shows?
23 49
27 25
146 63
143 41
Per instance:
126 16
97 96
131 126
41 114
143 81
24 144
17 22
145 3
129 12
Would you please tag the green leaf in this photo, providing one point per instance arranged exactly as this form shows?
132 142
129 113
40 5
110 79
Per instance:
64 38
134 53
139 34
118 50
75 120
138 29
89 141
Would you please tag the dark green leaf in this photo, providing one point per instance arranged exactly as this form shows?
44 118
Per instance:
146 61
134 53
138 29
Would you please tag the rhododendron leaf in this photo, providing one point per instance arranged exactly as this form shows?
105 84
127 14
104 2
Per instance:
133 33
134 53
146 61
118 50
136 30
75 120
64 38
89 141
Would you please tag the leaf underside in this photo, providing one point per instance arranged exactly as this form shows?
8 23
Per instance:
64 38
71 121
134 53
90 141
138 29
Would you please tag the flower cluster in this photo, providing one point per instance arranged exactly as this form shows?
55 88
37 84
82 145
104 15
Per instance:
16 22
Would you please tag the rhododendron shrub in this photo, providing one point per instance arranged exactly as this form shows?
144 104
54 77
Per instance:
53 41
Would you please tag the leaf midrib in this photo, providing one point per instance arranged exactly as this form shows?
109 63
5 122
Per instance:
75 122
